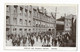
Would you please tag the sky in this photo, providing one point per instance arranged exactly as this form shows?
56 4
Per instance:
62 9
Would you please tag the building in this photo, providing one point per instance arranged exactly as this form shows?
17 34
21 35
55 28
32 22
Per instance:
22 20
60 24
74 32
68 23
65 23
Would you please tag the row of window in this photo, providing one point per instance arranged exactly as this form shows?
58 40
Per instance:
15 21
14 29
36 23
35 13
42 16
15 11
39 25
21 32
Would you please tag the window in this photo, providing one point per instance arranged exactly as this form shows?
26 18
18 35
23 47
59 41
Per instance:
7 20
29 29
26 12
8 8
35 13
36 25
7 5
20 30
14 29
21 21
15 9
26 22
30 14
7 31
21 11
29 22
15 20
25 30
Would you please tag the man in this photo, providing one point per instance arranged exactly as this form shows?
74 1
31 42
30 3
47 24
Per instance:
24 40
41 38
14 40
32 41
18 40
9 41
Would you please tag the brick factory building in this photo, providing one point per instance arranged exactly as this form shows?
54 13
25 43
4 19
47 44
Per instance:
28 19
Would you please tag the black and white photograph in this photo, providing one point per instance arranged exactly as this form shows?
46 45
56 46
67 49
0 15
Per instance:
40 25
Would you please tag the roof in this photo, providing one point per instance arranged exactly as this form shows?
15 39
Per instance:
61 19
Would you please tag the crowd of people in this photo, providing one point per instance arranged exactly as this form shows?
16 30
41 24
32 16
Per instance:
45 39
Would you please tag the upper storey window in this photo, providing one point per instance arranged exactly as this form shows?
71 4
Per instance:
7 8
21 11
15 8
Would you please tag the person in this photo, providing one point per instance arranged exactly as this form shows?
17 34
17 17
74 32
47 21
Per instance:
24 40
18 40
48 38
29 40
40 38
53 41
32 41
36 37
9 41
44 39
14 40
58 42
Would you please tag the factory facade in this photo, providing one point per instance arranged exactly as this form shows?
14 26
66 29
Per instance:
28 19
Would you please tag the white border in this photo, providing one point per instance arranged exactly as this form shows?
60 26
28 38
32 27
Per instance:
38 48
2 2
